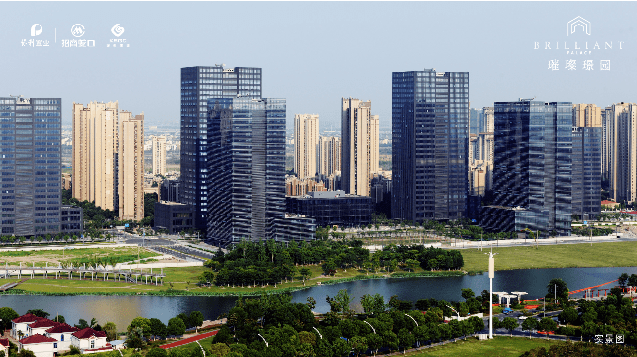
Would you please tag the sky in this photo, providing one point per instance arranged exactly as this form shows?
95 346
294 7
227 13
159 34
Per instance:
314 53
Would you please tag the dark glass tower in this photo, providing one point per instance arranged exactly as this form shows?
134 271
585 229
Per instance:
586 178
246 169
198 84
30 172
430 123
532 168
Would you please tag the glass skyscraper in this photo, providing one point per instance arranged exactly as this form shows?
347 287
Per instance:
586 177
246 169
198 84
430 123
532 168
30 172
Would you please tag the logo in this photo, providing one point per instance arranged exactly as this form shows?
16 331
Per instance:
572 25
77 30
36 30
117 30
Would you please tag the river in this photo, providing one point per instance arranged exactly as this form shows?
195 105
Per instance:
122 309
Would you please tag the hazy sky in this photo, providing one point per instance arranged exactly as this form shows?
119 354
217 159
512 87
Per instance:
314 53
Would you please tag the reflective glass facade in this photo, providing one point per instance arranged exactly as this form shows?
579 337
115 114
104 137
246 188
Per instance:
532 167
430 123
198 84
30 165
586 178
246 168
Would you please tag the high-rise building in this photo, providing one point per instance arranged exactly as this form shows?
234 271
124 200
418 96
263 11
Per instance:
306 137
475 121
131 166
329 155
487 120
359 147
31 168
532 168
159 155
624 175
430 120
587 115
246 168
108 158
586 177
606 145
94 158
198 84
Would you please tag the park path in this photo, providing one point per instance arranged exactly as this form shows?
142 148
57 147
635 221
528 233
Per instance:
189 340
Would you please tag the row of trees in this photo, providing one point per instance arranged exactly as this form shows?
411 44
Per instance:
142 329
290 329
269 262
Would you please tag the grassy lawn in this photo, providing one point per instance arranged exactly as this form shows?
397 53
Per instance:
498 347
614 254
75 255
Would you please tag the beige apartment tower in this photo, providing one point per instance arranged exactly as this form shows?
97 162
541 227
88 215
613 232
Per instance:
131 166
587 115
94 157
359 147
100 155
306 137
329 155
159 155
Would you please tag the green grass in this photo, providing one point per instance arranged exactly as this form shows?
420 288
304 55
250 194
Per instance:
615 254
79 255
498 347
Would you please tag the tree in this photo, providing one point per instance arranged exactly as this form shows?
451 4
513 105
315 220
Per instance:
562 289
343 299
142 323
306 273
468 293
39 313
632 280
82 324
111 331
26 353
373 304
135 338
7 314
219 349
176 327
157 352
623 279
59 318
547 324
196 319
568 315
529 324
158 328
510 324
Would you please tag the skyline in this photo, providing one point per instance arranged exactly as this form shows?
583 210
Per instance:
314 61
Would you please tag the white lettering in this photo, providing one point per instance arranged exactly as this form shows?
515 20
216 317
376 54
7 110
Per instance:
596 45
620 44
537 46
548 46
607 46
577 48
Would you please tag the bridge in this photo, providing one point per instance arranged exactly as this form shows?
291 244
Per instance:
140 276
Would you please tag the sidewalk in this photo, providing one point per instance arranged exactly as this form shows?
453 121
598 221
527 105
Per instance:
189 340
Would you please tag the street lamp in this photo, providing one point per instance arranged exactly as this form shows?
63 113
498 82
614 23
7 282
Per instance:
491 274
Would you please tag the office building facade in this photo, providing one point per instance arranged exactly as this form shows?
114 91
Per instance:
30 140
198 84
430 120
587 115
532 168
359 146
306 139
159 155
586 176
246 168
332 208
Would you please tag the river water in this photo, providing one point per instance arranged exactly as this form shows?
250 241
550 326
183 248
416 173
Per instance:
122 309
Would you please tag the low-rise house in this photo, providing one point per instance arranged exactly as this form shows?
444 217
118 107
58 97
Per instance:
4 346
22 324
40 345
90 341
40 326
62 333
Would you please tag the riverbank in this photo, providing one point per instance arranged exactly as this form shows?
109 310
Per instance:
610 254
182 281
